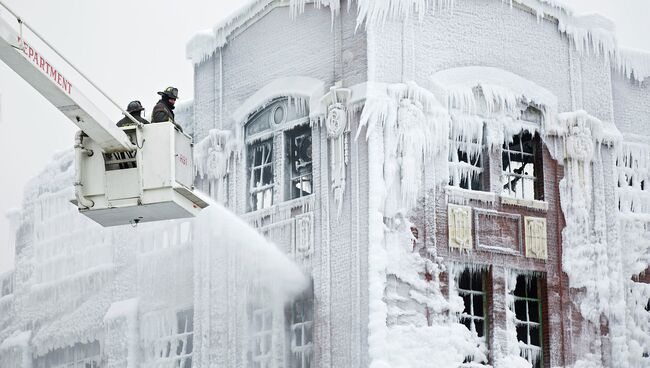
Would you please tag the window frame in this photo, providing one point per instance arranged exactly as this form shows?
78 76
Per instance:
275 132
528 323
480 164
301 356
263 337
251 168
259 307
289 136
508 172
472 293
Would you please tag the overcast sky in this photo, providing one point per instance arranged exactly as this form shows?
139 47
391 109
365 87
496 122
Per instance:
133 49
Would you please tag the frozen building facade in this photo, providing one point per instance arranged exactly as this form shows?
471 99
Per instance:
463 184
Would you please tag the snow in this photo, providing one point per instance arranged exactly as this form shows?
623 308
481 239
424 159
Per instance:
19 339
75 275
122 309
414 126
502 91
603 173
213 155
396 116
463 196
634 63
301 91
82 325
590 34
125 311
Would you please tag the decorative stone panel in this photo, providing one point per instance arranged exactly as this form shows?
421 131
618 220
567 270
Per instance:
536 246
304 234
338 133
460 227
498 232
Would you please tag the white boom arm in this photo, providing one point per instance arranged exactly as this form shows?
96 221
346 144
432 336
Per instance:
30 65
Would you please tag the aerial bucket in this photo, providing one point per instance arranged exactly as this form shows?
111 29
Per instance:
151 183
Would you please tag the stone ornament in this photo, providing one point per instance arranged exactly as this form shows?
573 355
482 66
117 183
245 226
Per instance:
304 235
460 227
338 128
337 120
579 143
536 244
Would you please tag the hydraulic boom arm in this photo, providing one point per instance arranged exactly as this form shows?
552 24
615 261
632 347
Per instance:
30 65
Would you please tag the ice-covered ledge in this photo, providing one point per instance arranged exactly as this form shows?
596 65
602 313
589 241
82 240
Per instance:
528 203
282 210
462 196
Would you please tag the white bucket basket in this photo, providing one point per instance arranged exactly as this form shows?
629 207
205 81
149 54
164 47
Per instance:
152 183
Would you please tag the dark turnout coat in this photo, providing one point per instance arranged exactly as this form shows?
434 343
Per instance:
127 122
162 112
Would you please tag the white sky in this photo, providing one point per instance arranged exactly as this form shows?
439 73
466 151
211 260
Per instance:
133 49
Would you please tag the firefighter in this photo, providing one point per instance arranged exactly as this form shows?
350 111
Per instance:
164 109
135 109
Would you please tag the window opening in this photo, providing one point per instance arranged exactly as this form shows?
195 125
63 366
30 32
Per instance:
120 160
301 323
261 182
520 167
175 347
261 317
185 342
472 288
300 162
465 163
528 319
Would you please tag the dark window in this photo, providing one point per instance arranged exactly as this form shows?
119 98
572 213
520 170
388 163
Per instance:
260 171
300 162
472 288
528 318
465 162
521 161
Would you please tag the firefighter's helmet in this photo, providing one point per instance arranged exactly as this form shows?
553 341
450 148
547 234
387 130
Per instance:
134 106
170 92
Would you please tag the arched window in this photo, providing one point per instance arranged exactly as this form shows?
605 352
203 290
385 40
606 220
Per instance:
279 127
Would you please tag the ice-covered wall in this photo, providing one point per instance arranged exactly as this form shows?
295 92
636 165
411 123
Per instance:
130 290
273 48
567 62
631 107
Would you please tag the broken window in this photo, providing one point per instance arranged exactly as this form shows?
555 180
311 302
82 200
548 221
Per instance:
300 162
301 321
528 318
466 160
521 159
633 177
261 182
472 288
